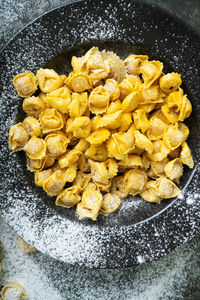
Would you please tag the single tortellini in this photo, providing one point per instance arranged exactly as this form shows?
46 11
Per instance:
130 103
34 106
117 68
157 167
51 120
156 129
69 197
13 289
40 176
110 203
113 149
91 63
118 187
79 82
133 63
110 121
174 169
24 246
70 172
26 84
99 100
60 99
174 136
142 142
170 82
82 180
140 120
97 152
149 192
49 161
90 204
35 148
134 181
98 136
48 80
131 161
36 164
69 158
33 126
99 172
113 107
112 87
81 127
150 95
165 188
186 156
78 104
56 144
129 84
18 137
54 184
151 71
160 151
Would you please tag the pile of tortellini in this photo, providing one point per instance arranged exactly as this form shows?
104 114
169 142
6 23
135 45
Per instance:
108 129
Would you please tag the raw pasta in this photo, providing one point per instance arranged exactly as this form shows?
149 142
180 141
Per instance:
109 129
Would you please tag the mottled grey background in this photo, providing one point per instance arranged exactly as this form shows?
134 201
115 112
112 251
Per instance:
173 277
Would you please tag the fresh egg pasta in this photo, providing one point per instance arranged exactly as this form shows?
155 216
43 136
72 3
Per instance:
109 128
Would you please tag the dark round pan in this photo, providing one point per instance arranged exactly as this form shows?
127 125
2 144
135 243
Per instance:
139 231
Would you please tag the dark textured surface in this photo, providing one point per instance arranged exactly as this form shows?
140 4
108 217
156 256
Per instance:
186 9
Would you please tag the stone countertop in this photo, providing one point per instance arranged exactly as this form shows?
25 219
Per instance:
175 276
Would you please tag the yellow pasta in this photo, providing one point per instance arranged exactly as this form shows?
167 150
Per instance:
13 288
131 102
56 144
149 192
33 126
112 87
151 70
69 158
51 120
170 82
18 137
48 80
107 129
133 63
90 204
99 100
186 156
26 84
79 82
98 136
33 106
69 197
78 104
54 184
60 99
24 246
174 169
97 152
35 148
140 120
40 176
134 181
110 203
81 127
165 188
